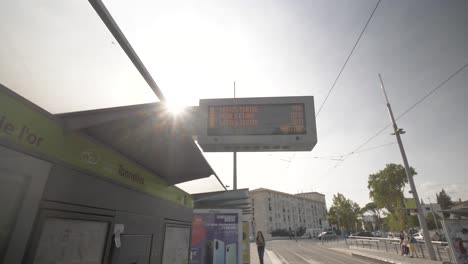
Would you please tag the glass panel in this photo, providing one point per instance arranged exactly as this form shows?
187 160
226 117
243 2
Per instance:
176 245
71 241
12 189
61 56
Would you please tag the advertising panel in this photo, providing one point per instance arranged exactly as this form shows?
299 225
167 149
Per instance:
216 237
457 238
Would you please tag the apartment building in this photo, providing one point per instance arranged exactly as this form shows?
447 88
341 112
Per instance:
273 210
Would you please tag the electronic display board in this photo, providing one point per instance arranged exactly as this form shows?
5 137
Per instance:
257 124
256 119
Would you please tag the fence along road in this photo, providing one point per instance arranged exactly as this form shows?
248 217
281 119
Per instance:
442 251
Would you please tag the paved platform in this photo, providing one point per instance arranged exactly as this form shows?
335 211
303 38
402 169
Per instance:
269 257
385 257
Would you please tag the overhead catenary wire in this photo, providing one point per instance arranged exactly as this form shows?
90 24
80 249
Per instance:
347 59
404 113
374 148
432 91
336 157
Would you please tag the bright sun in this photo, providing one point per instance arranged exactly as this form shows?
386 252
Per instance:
175 108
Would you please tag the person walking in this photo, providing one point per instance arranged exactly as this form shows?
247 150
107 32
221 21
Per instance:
412 246
260 240
402 238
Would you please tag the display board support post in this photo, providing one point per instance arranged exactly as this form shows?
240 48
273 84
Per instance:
234 156
409 175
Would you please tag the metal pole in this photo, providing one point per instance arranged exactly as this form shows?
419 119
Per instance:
433 216
110 23
422 219
235 155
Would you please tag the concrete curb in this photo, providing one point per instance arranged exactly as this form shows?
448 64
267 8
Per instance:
373 258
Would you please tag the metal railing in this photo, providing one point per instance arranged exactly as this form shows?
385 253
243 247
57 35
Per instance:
441 249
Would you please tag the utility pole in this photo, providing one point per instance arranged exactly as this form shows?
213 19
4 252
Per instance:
433 216
409 175
235 155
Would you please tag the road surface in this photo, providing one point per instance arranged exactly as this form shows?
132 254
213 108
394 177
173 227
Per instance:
310 252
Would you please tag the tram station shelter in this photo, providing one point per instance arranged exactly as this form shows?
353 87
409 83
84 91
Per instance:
94 186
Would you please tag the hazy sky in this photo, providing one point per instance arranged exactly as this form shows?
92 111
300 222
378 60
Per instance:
60 55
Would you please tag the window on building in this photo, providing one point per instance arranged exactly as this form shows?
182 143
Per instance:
270 218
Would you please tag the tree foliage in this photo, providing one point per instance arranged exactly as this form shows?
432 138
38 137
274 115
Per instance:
413 221
431 224
386 190
376 213
344 212
445 201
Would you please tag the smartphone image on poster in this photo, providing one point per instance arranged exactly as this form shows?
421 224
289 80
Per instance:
218 255
208 256
231 254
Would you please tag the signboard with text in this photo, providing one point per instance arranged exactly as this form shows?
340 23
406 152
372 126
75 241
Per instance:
258 124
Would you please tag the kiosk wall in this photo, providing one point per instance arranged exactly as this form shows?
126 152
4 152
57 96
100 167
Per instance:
61 206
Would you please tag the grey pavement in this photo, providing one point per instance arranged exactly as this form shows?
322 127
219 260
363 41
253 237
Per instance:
316 252
254 255
384 257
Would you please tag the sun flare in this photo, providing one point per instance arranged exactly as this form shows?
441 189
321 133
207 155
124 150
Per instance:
175 108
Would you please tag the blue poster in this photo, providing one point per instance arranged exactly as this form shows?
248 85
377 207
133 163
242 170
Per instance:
216 236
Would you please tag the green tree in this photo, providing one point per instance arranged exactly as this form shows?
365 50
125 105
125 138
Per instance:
413 221
376 213
431 225
445 201
386 190
344 213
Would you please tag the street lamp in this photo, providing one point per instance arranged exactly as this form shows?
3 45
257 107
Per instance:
433 215
422 220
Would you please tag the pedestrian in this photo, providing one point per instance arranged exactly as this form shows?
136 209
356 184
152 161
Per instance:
412 246
260 240
402 237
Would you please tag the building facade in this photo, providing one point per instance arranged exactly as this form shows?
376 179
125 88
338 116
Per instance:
460 206
273 210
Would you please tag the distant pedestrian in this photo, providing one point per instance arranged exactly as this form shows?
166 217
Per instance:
260 240
412 246
402 238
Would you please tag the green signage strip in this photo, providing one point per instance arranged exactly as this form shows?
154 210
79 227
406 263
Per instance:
21 125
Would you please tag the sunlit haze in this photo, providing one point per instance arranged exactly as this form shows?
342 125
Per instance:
62 57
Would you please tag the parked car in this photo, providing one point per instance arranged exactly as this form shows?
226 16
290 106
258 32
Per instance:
362 234
327 235
418 236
